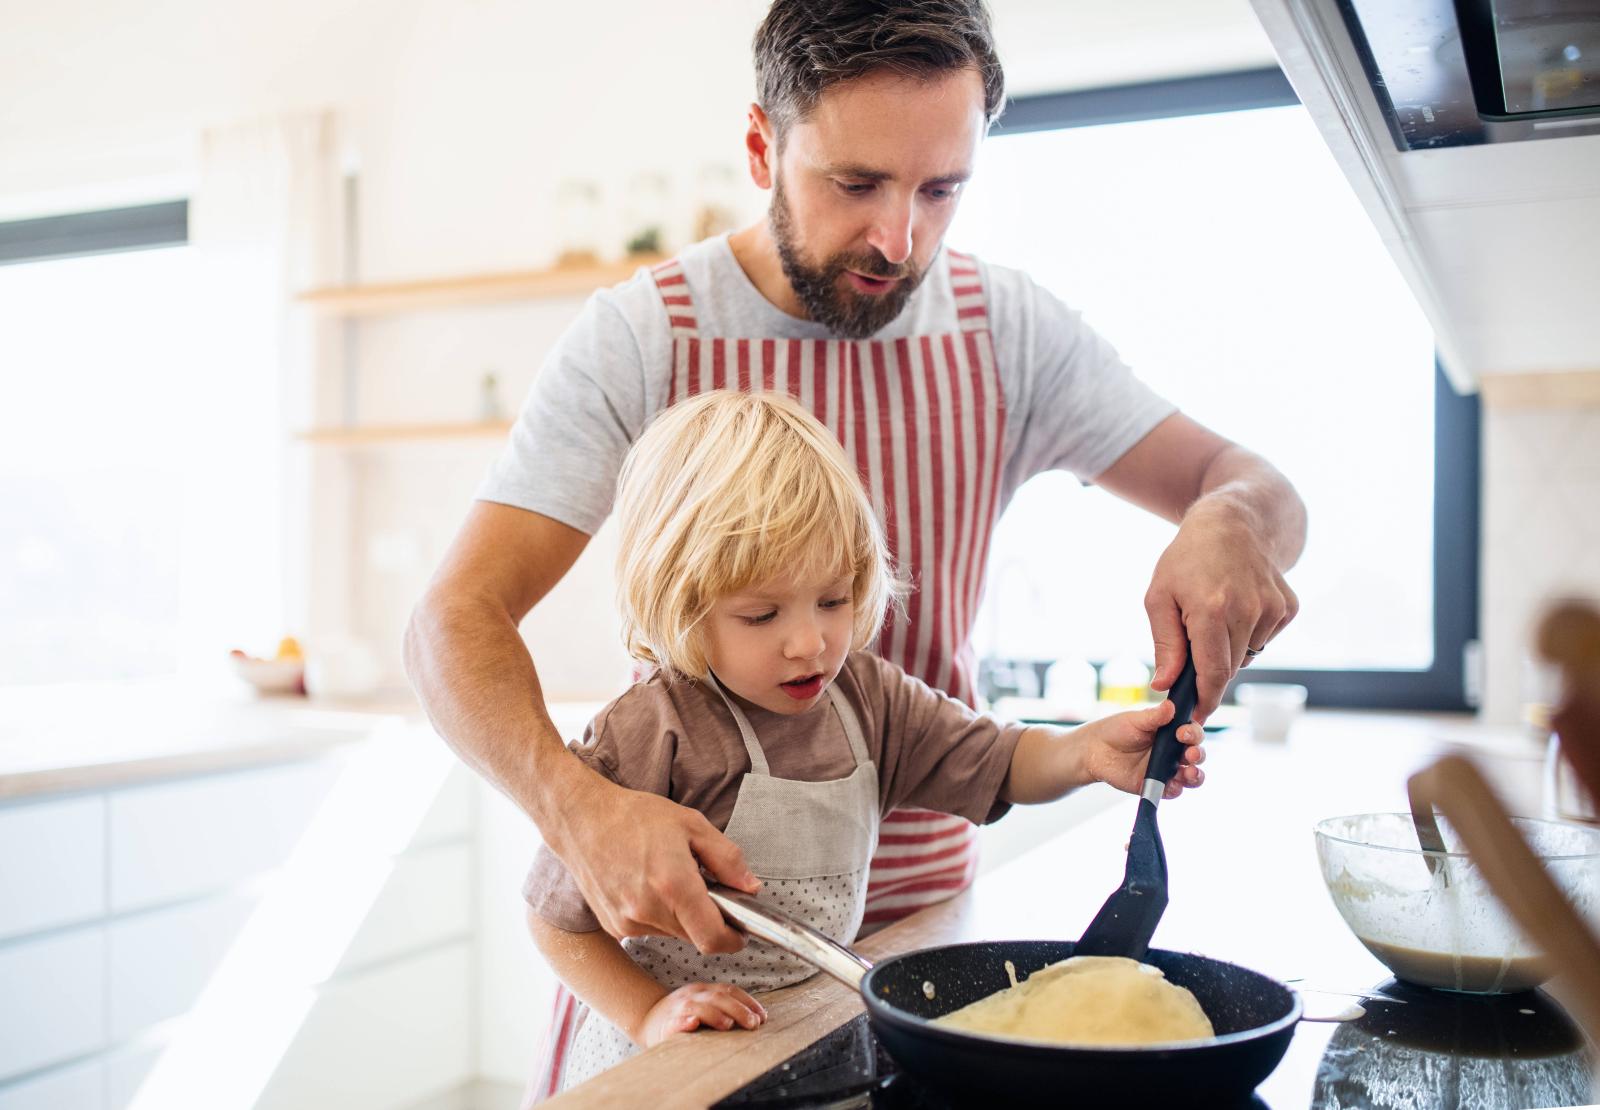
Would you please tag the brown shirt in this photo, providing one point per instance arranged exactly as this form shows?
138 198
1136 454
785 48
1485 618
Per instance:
677 739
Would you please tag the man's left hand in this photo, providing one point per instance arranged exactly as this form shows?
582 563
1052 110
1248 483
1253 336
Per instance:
1215 584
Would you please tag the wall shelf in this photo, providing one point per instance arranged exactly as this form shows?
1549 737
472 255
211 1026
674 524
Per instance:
1535 389
466 289
376 434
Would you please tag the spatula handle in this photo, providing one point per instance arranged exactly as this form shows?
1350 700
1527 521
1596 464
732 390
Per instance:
1168 749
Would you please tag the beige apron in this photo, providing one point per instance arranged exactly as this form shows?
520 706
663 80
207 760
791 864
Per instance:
810 844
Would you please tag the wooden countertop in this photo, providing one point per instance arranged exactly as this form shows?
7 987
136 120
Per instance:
1244 886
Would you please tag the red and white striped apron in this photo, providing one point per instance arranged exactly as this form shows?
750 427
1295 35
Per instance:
924 419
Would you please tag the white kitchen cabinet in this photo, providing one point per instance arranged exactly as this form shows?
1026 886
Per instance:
450 816
76 1087
120 908
126 1071
427 900
52 864
515 986
386 1038
161 961
52 999
180 839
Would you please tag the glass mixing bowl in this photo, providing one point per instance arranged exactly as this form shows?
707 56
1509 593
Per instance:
1444 927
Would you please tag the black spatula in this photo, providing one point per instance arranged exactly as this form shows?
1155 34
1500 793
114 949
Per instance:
1127 921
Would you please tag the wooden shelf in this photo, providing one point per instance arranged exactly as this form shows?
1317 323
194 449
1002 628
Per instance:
374 435
1534 389
404 296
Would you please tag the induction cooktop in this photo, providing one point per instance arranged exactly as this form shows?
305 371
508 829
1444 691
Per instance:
848 1069
1414 1048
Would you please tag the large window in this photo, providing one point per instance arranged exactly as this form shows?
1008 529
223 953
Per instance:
1224 255
97 362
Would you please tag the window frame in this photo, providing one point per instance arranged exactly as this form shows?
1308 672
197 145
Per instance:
159 225
1451 683
103 231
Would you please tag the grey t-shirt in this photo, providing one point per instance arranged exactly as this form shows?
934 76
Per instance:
1071 403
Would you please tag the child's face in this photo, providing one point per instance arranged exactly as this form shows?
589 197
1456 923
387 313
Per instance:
779 643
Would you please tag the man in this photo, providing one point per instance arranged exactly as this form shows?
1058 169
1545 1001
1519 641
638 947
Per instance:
948 381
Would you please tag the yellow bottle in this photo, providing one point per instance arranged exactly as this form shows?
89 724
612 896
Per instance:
1125 680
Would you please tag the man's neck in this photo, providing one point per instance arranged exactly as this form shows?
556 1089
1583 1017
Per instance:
757 254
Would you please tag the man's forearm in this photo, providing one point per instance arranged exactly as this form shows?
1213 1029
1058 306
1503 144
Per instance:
473 673
1243 484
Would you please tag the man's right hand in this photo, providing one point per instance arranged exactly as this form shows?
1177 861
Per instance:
637 858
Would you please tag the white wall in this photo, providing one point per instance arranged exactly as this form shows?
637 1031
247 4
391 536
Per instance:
462 121
95 95
1541 538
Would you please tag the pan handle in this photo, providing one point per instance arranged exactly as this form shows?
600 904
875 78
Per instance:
743 911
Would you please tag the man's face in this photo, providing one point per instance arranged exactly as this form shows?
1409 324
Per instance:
865 187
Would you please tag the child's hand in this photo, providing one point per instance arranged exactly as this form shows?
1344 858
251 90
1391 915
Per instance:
1118 748
715 1005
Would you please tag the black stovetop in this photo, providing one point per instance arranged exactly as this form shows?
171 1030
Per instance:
848 1068
1417 1050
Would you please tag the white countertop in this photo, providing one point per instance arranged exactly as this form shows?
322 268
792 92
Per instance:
65 738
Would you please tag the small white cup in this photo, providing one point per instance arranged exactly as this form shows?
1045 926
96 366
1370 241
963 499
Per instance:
342 668
1273 707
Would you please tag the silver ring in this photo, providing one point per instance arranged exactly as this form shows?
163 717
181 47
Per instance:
1253 652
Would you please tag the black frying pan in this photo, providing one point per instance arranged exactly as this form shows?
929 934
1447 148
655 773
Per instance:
1254 1017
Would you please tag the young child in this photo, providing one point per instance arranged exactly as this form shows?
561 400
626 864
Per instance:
752 573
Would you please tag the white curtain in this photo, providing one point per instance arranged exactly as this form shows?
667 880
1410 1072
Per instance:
267 218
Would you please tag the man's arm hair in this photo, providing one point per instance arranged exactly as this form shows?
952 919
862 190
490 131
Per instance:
1180 462
468 663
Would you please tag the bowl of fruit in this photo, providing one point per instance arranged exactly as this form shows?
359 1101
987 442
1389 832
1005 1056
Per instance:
284 673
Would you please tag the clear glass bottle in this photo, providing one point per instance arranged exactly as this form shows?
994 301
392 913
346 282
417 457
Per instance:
489 409
578 218
716 201
645 215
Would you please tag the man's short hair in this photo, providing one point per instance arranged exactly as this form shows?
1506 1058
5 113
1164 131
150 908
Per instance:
804 47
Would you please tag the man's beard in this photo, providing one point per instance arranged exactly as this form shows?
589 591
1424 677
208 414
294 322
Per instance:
841 310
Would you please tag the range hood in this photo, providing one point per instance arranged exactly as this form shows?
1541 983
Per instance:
1470 131
1480 71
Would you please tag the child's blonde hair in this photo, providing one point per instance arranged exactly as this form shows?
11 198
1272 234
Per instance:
724 491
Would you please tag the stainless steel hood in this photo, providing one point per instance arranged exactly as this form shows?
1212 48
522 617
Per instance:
1480 71
1498 239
